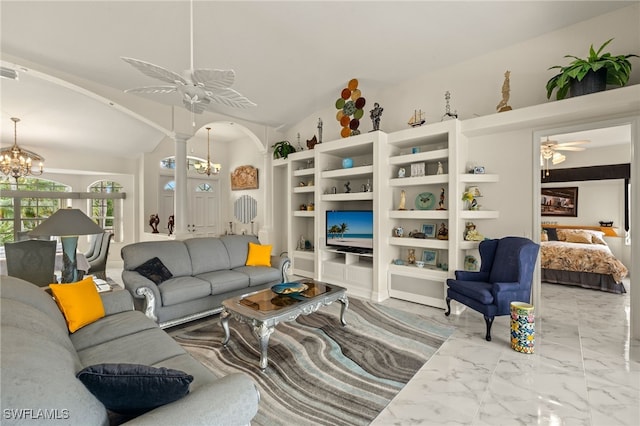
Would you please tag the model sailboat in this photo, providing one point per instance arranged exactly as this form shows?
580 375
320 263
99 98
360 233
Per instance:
417 119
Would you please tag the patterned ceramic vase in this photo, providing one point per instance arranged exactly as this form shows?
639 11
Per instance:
523 327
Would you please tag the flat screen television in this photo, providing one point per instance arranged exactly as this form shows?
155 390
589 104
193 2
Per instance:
350 230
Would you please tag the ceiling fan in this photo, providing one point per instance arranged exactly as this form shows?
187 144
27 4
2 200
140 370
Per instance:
549 152
199 88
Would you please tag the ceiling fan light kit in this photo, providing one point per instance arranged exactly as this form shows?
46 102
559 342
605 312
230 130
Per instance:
549 152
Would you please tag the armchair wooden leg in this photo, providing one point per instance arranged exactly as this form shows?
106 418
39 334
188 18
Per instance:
448 307
489 321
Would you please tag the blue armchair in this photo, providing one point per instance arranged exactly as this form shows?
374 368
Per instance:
505 276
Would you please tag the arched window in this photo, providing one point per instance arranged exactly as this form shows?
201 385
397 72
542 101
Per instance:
107 212
204 187
20 212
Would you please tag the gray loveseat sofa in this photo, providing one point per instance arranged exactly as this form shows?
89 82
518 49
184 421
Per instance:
40 360
205 271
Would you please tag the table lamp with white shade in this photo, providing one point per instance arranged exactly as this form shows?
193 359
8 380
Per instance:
67 224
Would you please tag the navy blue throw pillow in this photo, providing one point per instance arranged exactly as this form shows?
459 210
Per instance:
154 270
552 233
134 388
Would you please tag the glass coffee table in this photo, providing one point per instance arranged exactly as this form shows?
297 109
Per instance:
263 310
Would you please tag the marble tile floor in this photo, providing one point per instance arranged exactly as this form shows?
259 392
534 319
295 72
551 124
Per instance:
585 370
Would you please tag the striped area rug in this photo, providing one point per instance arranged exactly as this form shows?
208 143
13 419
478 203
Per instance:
319 372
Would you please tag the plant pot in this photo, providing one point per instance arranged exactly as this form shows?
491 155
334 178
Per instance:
591 83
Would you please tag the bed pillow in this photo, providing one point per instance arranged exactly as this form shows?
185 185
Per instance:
596 236
581 237
134 388
154 270
79 302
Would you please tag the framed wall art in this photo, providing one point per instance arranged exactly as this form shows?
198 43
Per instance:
430 257
429 230
244 177
562 201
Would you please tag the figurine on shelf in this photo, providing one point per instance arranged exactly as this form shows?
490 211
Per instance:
441 202
301 243
448 115
403 200
319 130
504 103
154 220
347 187
171 224
440 168
312 142
412 257
375 115
443 232
401 172
471 233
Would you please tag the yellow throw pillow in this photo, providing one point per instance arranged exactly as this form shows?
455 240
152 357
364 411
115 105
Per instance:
79 302
259 255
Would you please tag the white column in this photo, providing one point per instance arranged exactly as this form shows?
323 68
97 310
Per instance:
181 196
266 224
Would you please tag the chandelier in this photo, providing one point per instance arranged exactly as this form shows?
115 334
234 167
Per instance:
208 168
16 162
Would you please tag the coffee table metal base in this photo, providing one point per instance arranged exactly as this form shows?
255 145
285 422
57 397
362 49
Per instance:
263 328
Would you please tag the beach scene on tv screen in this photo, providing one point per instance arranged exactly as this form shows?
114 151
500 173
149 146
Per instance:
350 229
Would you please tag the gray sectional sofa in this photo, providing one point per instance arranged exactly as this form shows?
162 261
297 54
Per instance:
39 361
205 271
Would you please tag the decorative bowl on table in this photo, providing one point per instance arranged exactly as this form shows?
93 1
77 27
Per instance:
289 288
420 263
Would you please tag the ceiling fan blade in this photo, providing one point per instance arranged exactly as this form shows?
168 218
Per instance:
214 79
155 71
568 148
230 97
152 89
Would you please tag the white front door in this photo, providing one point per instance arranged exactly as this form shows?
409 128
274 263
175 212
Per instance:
203 207
203 211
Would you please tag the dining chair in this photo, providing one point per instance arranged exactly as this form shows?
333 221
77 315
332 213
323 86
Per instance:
32 260
98 263
505 276
95 241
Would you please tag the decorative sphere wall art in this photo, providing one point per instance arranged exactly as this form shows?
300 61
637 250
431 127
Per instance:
350 106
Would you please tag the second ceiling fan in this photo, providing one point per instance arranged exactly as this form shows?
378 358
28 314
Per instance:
549 151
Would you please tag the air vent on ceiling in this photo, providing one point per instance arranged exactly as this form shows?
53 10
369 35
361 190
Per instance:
8 73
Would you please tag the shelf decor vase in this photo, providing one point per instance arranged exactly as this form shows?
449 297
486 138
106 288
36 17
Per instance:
347 163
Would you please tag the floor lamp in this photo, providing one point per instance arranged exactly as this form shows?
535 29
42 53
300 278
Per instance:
67 224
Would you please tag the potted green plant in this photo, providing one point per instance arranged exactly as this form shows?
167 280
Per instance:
282 149
590 75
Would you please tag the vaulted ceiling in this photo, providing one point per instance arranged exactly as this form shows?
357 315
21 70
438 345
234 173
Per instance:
291 58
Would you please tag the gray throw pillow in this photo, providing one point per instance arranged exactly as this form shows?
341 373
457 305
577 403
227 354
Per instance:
154 270
134 388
